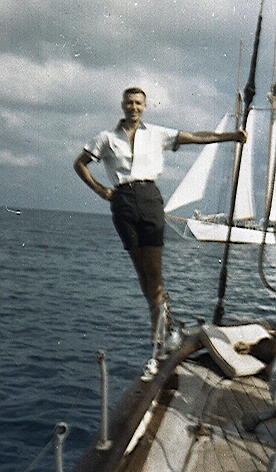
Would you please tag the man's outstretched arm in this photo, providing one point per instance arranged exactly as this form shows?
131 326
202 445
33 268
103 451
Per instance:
208 137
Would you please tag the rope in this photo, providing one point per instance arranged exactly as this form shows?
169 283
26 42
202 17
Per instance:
42 453
59 436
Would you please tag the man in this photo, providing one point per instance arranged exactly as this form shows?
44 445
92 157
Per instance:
133 157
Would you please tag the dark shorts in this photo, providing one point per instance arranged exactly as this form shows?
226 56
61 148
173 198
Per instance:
138 214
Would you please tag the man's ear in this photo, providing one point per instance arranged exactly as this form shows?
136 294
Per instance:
122 104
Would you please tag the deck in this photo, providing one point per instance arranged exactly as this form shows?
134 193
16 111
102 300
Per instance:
197 425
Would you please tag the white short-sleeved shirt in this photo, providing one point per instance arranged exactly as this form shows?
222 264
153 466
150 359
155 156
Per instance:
145 161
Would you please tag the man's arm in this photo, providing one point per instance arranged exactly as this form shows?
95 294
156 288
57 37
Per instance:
207 137
80 166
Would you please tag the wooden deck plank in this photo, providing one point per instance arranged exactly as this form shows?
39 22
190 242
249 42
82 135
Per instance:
226 416
212 458
258 392
229 454
266 428
225 455
237 404
264 392
220 443
204 458
251 402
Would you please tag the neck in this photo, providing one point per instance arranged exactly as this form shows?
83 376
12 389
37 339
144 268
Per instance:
131 125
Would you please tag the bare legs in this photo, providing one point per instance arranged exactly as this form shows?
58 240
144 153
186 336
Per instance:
147 261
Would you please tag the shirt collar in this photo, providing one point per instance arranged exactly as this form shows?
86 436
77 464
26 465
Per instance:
120 125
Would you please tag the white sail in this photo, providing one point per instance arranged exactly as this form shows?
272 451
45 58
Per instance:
245 207
272 159
193 186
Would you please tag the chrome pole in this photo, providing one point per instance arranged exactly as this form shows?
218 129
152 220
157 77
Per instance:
61 432
104 442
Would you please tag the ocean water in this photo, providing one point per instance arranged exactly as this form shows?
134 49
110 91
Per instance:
68 289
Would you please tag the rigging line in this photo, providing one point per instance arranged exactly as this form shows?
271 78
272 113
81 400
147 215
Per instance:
249 92
273 79
238 92
40 455
213 389
263 277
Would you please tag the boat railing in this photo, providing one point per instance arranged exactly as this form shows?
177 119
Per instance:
103 443
61 430
57 441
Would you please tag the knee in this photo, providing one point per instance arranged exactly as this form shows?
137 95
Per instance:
156 295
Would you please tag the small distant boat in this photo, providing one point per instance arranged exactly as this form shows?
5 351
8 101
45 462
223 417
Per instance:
11 210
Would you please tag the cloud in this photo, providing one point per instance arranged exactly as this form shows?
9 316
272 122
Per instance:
8 159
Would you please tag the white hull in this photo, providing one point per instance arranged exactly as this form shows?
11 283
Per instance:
16 212
214 232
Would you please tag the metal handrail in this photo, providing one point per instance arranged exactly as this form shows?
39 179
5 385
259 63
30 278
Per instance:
104 443
61 432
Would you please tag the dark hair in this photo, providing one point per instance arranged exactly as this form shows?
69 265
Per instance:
130 90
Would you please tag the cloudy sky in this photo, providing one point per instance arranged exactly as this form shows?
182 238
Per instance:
64 64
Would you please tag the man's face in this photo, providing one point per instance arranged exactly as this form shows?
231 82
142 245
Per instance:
134 105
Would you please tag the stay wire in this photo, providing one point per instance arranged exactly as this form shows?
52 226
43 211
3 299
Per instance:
40 456
268 207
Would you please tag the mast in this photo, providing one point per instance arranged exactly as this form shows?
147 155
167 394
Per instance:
250 88
249 92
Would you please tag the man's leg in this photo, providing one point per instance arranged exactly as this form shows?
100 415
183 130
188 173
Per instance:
147 261
137 259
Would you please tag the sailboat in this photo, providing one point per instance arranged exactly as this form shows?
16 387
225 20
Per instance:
194 188
11 210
